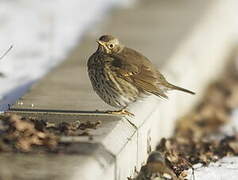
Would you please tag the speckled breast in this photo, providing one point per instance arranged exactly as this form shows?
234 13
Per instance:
114 90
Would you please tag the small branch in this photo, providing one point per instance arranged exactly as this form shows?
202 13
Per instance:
9 49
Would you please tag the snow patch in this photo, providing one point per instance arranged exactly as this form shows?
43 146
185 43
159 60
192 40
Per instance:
225 168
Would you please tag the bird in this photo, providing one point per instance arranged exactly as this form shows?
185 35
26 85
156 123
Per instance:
156 164
121 75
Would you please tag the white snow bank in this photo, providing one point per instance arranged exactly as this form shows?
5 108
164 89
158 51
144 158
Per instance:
225 168
42 33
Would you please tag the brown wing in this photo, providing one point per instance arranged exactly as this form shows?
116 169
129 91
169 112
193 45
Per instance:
137 69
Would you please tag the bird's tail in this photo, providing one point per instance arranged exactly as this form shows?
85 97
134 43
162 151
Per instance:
180 89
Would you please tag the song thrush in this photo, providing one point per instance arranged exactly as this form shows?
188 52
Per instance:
121 75
157 164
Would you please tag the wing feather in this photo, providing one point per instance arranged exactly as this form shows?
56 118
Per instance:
137 69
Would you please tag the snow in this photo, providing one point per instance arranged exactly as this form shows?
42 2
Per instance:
42 34
225 168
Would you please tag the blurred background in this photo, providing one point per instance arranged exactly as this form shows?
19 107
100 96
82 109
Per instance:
42 34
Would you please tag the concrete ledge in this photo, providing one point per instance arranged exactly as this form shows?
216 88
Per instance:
193 38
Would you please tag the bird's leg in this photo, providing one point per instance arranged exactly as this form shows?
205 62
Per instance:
122 111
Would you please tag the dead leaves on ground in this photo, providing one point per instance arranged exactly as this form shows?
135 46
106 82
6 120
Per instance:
19 134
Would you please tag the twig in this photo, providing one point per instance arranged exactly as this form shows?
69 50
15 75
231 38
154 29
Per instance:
9 49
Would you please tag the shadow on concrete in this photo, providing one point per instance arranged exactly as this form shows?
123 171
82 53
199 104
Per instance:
12 96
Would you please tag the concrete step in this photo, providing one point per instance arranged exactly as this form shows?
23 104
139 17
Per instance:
188 40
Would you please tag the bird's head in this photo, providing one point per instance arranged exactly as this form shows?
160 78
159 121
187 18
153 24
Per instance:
109 44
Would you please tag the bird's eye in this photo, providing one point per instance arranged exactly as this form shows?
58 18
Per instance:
111 46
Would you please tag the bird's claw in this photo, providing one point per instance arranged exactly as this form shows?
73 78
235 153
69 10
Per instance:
121 112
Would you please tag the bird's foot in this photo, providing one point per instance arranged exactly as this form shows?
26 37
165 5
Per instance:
121 112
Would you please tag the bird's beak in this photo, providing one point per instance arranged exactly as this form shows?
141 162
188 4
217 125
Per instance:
100 42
